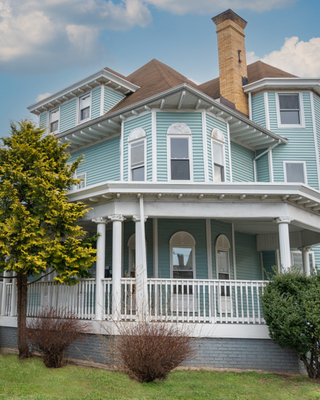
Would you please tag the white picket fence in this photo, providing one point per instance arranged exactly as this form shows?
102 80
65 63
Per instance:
170 300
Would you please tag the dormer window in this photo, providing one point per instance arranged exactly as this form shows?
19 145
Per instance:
289 107
54 120
179 152
84 107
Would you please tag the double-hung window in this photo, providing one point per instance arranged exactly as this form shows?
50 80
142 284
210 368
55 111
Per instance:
54 120
289 109
179 152
84 107
218 159
295 171
138 160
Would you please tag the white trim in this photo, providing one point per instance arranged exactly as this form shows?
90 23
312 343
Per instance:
131 142
154 145
270 165
136 134
250 105
209 247
190 151
266 109
121 151
155 248
315 137
255 175
49 120
229 151
102 100
184 246
205 146
283 84
295 162
234 253
301 111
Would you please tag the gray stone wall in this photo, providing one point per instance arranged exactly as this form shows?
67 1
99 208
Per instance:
249 354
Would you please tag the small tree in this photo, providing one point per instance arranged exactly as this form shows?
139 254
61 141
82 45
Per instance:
291 307
38 228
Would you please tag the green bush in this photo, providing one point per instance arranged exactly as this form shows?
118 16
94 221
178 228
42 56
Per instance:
291 307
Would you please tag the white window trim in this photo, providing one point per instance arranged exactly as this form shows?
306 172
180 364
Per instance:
186 134
300 253
135 136
49 125
173 243
222 144
302 119
79 110
75 187
295 162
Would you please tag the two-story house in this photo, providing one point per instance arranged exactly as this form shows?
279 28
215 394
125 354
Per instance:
196 192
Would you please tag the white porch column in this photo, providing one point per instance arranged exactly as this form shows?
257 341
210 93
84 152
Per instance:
284 242
14 297
306 260
4 292
141 264
116 264
100 267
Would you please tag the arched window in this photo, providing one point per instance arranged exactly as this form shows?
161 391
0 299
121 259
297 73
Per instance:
182 253
222 257
137 155
218 158
179 152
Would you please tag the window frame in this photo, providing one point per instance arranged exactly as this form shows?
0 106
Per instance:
175 243
185 134
304 171
301 110
77 186
313 266
50 112
222 248
217 139
81 121
137 135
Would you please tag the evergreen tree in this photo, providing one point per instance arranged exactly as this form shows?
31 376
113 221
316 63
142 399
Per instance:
38 230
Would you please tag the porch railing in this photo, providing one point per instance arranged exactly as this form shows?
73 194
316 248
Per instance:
170 300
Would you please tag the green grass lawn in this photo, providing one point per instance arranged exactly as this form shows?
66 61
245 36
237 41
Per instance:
30 379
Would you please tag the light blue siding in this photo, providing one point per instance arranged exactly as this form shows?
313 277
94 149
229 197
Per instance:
221 228
262 167
301 142
242 163
316 101
111 98
258 109
247 257
68 113
196 228
316 250
212 123
101 161
43 119
144 122
194 121
95 102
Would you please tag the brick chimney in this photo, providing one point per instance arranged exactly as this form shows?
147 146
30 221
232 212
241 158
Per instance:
232 58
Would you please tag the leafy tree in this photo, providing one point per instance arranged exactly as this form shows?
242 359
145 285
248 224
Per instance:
38 230
291 307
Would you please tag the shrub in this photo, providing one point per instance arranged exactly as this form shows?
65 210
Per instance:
291 307
52 333
150 351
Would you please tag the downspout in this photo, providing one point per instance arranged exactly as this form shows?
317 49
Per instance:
260 155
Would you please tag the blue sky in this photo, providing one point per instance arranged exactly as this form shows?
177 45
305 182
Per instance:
46 45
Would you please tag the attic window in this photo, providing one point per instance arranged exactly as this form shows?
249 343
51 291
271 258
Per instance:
54 120
84 107
289 109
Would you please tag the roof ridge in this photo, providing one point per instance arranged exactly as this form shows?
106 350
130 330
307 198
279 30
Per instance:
162 72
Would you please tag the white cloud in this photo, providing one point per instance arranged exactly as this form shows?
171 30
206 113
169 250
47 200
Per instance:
298 58
42 97
48 34
212 6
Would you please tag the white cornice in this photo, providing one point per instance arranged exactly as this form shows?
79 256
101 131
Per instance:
312 84
94 80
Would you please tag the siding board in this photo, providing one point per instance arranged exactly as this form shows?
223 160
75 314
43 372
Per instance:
95 102
247 256
258 109
68 112
111 98
262 167
242 163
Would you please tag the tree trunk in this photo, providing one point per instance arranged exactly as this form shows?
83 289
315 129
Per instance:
22 316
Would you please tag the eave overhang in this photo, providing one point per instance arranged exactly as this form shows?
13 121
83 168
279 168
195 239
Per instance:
101 77
277 84
184 98
299 195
